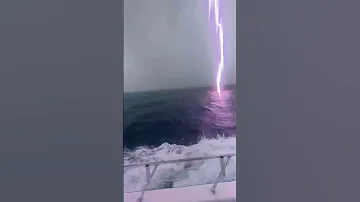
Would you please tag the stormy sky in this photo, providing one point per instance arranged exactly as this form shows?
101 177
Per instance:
170 44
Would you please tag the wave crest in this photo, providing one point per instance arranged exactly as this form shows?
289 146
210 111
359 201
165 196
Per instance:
180 174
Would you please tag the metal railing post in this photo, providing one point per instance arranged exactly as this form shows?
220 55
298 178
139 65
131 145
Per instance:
148 174
148 179
222 165
212 190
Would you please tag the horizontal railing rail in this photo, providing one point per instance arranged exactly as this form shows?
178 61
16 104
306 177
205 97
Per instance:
224 160
178 160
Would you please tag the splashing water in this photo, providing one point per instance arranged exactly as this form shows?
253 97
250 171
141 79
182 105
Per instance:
180 174
214 10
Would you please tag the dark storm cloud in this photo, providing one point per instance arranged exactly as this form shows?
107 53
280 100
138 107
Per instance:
168 44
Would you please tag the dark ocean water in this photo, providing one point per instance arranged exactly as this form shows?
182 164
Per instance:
176 124
179 116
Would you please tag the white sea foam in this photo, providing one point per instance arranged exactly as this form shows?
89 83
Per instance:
180 174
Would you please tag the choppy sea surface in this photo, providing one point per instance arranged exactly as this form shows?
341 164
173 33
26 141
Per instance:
175 124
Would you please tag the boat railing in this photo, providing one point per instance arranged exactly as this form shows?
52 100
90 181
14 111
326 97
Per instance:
224 160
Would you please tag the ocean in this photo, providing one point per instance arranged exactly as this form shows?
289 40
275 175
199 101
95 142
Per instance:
174 124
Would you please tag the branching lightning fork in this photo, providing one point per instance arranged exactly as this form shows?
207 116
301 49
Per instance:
214 11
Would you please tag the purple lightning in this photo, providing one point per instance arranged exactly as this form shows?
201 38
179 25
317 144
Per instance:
214 9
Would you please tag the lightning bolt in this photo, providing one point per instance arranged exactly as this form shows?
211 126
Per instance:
214 9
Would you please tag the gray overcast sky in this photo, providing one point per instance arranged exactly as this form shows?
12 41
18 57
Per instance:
169 44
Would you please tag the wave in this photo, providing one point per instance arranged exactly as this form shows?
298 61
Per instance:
180 174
